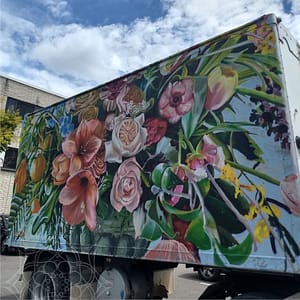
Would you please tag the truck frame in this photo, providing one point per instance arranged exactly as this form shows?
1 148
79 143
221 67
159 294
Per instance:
193 160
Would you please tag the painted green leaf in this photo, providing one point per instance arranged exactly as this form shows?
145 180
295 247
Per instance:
103 209
106 184
238 254
157 215
151 231
169 179
196 234
190 120
217 259
262 95
223 215
157 173
186 215
242 142
204 186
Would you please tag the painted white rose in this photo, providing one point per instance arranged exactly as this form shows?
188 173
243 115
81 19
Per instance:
128 138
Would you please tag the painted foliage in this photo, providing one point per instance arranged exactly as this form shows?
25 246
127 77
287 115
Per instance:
179 159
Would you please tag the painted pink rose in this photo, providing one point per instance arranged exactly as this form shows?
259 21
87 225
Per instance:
177 100
126 188
290 190
128 138
79 198
222 83
156 129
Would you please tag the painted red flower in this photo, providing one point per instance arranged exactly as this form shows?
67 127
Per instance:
177 100
156 129
79 198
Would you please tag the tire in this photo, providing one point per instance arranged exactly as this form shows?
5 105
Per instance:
208 274
3 249
49 281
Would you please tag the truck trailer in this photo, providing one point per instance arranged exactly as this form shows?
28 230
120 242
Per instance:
191 160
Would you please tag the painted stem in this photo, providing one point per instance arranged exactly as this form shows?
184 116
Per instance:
231 206
253 172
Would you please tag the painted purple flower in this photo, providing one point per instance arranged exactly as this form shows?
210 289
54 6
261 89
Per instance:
177 100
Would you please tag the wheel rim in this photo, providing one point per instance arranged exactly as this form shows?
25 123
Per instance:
43 290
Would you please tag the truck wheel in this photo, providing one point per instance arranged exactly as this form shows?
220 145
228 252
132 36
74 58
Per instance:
49 281
208 274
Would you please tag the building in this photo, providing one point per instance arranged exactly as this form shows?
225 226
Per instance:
16 95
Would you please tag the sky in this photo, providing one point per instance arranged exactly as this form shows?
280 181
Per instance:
69 46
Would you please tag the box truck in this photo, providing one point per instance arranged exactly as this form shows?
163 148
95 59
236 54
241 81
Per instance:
193 159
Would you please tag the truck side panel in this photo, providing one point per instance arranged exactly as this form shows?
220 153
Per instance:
188 160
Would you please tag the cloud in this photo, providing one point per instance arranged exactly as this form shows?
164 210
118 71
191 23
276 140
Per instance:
73 57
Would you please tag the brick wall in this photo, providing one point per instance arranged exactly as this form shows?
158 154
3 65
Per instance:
26 93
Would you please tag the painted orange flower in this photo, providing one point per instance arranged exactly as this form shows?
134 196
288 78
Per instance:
83 144
60 171
79 198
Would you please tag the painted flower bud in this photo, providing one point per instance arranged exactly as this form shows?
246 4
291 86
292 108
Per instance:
35 206
21 176
37 168
222 82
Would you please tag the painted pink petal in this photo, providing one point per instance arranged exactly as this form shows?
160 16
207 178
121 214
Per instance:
69 148
73 214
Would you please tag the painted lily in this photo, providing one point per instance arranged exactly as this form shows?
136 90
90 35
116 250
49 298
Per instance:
79 198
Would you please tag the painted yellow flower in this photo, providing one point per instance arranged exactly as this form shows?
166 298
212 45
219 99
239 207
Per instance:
264 39
228 173
261 231
270 209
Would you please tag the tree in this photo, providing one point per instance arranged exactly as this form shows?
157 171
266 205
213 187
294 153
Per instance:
8 123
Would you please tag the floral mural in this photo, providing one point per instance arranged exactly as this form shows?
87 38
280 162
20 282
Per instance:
168 163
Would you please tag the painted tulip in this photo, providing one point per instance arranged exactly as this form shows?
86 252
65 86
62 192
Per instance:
21 176
290 190
37 168
222 83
